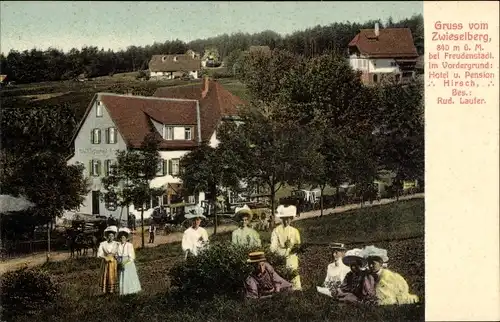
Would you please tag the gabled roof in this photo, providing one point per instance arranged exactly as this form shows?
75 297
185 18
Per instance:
132 116
391 43
174 63
216 102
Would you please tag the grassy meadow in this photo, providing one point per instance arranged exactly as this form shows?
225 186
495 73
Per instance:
398 227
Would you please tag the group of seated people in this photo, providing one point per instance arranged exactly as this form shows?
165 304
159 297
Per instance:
355 276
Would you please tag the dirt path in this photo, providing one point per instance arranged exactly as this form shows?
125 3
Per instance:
40 258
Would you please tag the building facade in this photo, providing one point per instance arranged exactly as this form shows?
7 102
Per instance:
181 118
383 54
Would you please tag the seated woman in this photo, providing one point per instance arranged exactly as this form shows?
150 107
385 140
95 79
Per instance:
264 281
358 286
390 287
337 270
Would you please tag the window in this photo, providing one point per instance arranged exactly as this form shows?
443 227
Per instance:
95 168
365 63
96 136
191 199
98 110
160 170
187 133
173 168
168 132
108 167
155 201
375 78
393 64
111 135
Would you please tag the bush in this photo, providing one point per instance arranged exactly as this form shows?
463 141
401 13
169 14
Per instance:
219 271
27 291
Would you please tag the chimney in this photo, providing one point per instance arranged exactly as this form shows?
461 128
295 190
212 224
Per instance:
377 31
206 82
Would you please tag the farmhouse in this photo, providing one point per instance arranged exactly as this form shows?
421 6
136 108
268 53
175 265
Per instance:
174 66
381 53
181 117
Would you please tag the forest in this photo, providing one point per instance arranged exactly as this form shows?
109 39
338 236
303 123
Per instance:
37 65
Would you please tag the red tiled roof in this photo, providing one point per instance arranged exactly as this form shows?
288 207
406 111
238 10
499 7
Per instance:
391 43
217 102
132 116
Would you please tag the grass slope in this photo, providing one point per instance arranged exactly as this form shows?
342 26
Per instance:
398 227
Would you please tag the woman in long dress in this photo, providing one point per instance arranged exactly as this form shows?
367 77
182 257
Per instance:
129 280
108 278
285 241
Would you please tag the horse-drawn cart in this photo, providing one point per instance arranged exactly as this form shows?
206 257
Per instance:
85 233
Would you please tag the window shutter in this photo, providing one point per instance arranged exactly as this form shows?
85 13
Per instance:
165 167
92 136
114 135
170 167
106 167
98 167
98 136
107 136
91 168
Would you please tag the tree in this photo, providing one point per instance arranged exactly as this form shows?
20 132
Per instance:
212 170
46 179
401 130
131 176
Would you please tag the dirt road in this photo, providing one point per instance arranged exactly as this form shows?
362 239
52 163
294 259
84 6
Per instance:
40 258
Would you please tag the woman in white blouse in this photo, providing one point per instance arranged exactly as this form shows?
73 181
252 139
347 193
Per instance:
108 278
195 238
129 280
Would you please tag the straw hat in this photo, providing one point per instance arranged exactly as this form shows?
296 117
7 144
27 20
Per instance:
244 211
110 229
375 252
336 246
256 257
354 256
286 211
125 231
196 212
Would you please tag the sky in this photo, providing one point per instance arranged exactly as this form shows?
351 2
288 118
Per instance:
116 25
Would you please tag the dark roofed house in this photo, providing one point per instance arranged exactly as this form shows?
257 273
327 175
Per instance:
380 53
174 66
181 117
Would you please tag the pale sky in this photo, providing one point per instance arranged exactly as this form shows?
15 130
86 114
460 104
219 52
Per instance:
115 25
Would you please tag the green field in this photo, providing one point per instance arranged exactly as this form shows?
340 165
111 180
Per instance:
397 227
78 94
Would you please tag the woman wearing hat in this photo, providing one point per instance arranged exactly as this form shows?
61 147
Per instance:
263 281
129 280
195 238
390 287
108 279
285 241
358 286
244 235
336 271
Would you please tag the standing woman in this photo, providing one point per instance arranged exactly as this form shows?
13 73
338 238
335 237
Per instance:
108 280
285 241
129 280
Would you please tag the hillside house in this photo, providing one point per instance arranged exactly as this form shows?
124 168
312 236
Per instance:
383 53
174 66
182 117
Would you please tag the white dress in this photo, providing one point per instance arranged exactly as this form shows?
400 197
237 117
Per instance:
129 280
194 240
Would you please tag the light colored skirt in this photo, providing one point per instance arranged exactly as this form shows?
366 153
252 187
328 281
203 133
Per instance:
108 278
292 262
129 280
